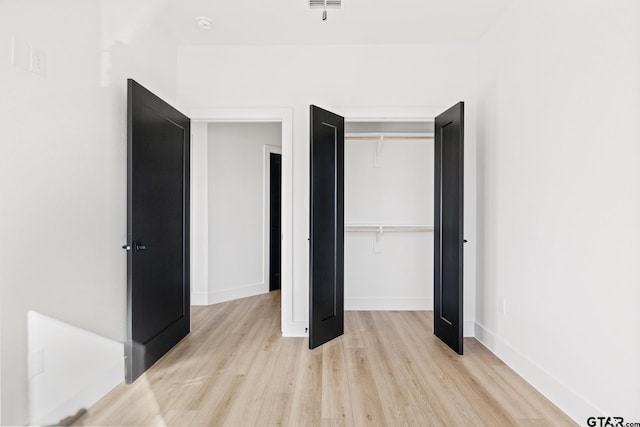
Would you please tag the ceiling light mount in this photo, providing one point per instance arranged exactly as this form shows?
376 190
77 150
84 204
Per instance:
204 22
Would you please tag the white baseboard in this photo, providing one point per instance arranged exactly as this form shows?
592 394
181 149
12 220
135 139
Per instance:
468 329
295 329
237 293
200 298
388 304
563 396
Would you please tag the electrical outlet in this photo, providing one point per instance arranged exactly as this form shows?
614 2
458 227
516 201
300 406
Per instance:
502 306
37 64
19 54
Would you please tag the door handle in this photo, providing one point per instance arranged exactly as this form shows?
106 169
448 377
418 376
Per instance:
137 247
127 247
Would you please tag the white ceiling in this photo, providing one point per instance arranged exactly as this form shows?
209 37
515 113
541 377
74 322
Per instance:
358 22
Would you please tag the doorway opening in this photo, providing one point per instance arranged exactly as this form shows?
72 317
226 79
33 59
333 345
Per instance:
327 190
389 203
241 214
275 220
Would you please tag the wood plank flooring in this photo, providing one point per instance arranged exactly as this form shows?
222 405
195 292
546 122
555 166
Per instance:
235 369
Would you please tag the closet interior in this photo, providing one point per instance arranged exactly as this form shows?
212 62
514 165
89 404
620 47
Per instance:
388 211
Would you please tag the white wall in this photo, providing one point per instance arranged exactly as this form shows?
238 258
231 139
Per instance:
558 201
63 169
380 77
392 270
236 208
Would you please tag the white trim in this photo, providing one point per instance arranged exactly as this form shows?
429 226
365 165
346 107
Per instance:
199 298
240 115
199 214
468 329
237 293
297 329
389 114
388 304
266 210
285 117
562 395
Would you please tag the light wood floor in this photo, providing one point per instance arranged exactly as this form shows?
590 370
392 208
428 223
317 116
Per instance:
388 369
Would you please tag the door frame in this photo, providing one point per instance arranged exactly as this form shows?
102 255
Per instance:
198 223
429 113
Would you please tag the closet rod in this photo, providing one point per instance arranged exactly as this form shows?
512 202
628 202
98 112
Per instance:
387 228
386 138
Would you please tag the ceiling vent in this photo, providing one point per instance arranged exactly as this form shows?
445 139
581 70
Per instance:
331 4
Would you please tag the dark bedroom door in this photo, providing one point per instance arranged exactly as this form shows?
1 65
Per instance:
448 226
158 138
326 235
275 220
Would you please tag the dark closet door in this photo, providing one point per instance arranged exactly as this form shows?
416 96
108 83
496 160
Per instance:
275 236
326 264
157 229
448 221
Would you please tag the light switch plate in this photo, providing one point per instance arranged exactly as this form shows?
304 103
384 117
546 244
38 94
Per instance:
19 54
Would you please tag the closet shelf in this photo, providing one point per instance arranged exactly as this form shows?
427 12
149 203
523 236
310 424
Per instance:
385 228
388 136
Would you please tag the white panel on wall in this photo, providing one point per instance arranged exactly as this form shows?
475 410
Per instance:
69 369
236 208
392 270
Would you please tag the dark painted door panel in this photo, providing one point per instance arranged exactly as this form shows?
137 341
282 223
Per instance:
158 229
448 226
326 292
275 219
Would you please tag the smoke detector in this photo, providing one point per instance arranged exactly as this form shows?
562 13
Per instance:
204 22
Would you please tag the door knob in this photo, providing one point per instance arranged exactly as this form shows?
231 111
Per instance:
137 247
